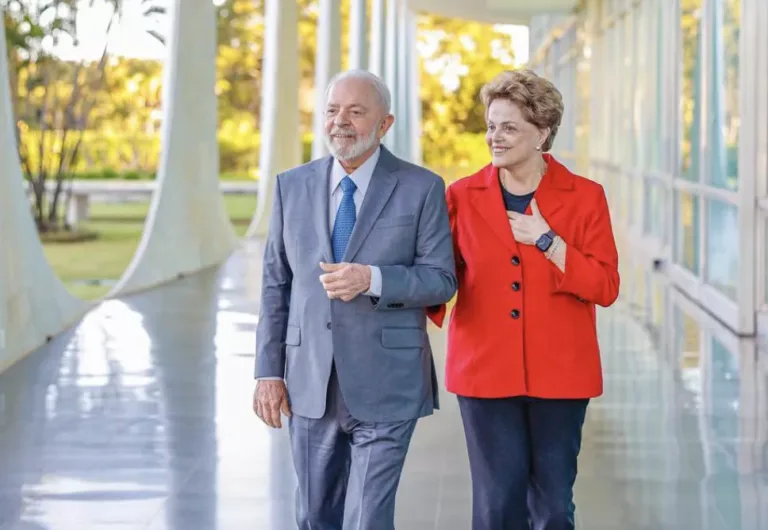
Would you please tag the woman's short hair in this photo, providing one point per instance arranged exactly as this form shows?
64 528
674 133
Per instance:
537 98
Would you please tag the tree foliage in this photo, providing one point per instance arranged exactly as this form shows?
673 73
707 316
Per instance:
113 104
458 58
53 97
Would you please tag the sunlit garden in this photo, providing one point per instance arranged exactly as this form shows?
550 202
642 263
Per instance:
90 267
93 113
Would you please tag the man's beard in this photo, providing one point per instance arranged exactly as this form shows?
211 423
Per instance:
356 150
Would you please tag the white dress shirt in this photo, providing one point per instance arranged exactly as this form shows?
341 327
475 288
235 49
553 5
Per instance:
362 179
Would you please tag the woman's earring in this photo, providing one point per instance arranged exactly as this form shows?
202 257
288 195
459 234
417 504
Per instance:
538 148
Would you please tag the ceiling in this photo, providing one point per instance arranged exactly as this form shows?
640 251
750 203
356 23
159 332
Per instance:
493 11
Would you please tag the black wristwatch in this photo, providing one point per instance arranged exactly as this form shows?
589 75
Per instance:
545 241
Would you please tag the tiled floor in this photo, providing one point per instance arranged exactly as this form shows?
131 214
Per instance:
140 418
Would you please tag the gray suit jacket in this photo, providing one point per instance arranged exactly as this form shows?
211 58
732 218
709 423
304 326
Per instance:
380 346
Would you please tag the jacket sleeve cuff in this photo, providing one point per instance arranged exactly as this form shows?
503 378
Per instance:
589 281
567 282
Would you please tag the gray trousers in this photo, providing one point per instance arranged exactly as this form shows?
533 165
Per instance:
348 470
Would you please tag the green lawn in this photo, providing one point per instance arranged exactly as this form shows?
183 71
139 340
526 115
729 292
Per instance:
119 227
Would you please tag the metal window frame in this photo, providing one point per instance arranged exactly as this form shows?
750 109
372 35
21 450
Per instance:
609 166
758 15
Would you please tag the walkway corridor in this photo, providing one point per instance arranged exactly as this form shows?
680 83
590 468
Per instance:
140 418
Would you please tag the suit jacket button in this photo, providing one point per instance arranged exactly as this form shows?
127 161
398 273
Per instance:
514 314
328 325
515 286
515 260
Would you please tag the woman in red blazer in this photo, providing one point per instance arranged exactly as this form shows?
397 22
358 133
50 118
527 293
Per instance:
535 254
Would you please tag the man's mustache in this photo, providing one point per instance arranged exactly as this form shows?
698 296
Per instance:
343 131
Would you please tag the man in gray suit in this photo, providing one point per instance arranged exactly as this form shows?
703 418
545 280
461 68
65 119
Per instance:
359 245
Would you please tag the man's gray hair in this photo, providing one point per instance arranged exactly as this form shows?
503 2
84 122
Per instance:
382 91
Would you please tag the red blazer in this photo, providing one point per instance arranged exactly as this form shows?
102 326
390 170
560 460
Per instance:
520 327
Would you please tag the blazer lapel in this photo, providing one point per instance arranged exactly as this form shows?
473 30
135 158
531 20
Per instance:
548 195
317 189
379 191
489 204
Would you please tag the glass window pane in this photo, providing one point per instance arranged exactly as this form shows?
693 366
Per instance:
657 38
637 199
690 25
724 150
648 199
616 111
627 89
582 91
642 85
687 241
653 200
625 198
723 247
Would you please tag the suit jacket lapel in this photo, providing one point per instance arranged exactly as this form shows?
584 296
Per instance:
317 189
379 191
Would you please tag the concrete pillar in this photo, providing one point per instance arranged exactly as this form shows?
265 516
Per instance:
404 87
327 64
376 61
414 110
358 35
34 304
188 228
390 68
280 141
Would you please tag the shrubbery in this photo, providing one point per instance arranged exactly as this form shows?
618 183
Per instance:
110 155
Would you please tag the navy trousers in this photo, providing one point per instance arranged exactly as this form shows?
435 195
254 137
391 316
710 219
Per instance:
522 456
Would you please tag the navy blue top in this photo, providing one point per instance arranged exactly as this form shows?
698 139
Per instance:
516 203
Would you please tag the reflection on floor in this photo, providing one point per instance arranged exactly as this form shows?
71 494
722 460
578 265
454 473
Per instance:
140 419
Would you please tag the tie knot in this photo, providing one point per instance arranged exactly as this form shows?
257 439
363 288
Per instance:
347 185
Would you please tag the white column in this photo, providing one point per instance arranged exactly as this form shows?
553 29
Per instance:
377 42
358 35
390 73
188 228
34 304
327 64
280 141
403 89
414 80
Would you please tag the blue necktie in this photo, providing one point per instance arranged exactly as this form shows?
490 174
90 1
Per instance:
345 220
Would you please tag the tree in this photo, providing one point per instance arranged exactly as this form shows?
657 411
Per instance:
240 56
54 99
457 59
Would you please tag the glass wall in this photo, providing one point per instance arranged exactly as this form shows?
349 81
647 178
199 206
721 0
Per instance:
664 80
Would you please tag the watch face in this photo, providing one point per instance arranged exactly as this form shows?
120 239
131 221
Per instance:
544 242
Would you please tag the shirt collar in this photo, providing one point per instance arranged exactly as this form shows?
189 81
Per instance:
361 176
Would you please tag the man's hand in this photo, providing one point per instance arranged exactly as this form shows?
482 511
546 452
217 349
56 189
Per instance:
345 281
270 399
528 228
